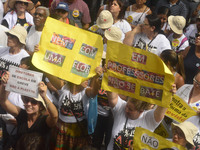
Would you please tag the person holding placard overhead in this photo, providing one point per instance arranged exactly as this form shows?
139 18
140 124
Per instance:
32 118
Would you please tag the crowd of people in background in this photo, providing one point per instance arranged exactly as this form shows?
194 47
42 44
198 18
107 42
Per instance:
57 119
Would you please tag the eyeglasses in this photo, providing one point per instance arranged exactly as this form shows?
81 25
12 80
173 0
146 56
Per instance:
197 82
33 102
19 2
39 14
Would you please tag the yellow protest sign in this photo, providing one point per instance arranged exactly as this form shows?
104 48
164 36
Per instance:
68 52
147 140
179 110
162 130
137 73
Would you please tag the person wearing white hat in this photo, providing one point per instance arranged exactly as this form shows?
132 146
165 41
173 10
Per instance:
32 119
177 39
183 134
14 52
18 13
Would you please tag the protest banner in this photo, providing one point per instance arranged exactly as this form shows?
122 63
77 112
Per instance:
68 52
147 140
137 73
179 110
23 81
163 130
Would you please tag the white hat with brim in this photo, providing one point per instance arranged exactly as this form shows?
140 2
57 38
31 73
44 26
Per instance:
189 130
11 4
20 32
4 28
113 34
105 20
177 23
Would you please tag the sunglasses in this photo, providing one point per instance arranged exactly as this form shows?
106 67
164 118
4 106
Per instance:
197 82
39 14
19 2
32 101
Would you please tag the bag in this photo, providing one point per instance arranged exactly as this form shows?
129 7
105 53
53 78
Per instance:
92 115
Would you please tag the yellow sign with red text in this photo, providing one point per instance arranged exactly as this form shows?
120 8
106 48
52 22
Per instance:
137 73
68 52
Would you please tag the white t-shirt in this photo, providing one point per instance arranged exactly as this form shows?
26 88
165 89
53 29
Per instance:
1 11
178 44
156 46
4 38
79 101
124 26
191 30
146 120
32 38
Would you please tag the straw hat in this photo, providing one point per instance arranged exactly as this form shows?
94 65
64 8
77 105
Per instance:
113 34
189 130
20 32
30 6
105 20
177 23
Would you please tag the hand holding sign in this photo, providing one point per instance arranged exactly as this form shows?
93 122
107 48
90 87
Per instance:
42 89
5 77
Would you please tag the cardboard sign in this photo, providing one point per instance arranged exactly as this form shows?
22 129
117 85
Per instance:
68 52
24 82
147 140
137 73
179 110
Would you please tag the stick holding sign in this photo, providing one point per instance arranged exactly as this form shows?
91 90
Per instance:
24 82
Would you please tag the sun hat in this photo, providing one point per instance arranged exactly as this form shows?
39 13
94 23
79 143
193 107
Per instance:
63 6
113 34
11 4
20 32
105 20
189 130
177 23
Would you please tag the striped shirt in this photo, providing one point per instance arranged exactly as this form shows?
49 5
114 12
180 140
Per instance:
177 9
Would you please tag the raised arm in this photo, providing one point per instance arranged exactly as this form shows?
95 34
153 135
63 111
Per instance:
112 99
53 113
5 103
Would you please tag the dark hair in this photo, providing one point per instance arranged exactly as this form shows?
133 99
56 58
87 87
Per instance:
164 10
123 4
175 61
26 60
31 141
139 105
154 20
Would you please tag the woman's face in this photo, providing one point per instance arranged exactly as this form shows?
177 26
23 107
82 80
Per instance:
115 8
21 6
12 41
197 40
163 19
31 105
140 2
178 136
146 28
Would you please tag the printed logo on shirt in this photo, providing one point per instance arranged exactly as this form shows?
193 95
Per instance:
68 105
75 13
191 40
103 99
141 44
94 28
175 44
152 49
196 141
124 139
129 19
4 66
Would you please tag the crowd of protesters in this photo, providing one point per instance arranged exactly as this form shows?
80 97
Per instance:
57 119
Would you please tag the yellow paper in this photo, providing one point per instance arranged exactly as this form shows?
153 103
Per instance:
137 73
147 140
179 110
162 130
68 52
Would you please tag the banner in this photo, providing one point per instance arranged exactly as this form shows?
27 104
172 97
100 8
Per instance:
163 130
147 140
137 73
23 81
179 110
68 52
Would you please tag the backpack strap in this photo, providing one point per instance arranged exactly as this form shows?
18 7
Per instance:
182 42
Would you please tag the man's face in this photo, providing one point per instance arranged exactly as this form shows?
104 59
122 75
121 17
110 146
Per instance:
39 17
131 112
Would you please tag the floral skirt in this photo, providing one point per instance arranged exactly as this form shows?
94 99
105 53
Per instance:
70 136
